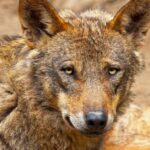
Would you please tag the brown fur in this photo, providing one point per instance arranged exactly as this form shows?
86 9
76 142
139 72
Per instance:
61 70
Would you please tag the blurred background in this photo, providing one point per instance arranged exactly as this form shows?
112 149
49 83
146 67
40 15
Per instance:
9 24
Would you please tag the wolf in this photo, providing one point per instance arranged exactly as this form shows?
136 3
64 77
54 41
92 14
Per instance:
63 83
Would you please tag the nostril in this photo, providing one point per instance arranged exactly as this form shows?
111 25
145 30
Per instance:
96 120
102 121
90 119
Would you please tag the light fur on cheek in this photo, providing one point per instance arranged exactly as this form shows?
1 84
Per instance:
76 119
109 122
62 104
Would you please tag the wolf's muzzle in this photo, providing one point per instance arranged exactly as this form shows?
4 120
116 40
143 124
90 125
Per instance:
96 120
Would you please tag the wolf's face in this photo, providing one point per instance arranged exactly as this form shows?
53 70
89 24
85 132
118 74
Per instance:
89 78
88 66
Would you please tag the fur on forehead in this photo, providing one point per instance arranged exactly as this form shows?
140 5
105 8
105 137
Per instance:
87 18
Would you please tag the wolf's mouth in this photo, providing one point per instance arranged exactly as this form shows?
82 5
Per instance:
68 121
93 133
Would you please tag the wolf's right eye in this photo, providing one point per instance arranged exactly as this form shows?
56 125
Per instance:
112 71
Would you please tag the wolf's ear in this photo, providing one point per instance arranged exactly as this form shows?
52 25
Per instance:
39 20
133 20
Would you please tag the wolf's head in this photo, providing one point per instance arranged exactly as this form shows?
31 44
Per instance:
88 61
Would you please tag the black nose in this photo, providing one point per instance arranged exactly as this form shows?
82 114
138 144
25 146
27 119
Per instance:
96 120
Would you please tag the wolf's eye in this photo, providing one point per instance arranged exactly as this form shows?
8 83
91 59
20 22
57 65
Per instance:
68 70
113 71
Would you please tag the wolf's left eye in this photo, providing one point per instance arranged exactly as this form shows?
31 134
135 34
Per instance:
68 70
113 71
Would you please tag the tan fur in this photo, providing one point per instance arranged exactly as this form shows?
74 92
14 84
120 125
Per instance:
131 131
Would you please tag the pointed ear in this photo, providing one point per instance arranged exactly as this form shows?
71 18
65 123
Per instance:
133 20
39 20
